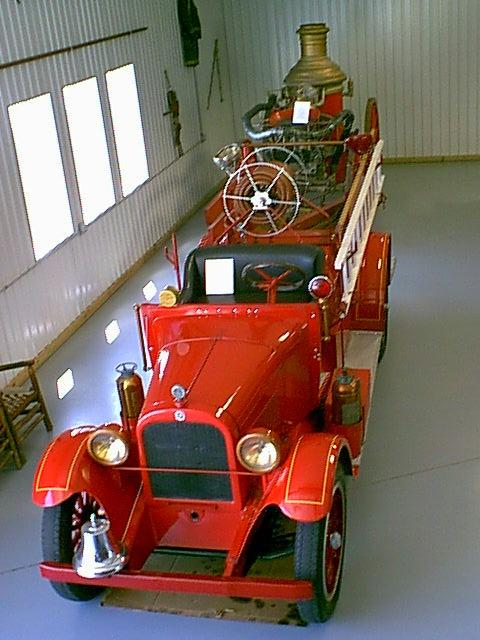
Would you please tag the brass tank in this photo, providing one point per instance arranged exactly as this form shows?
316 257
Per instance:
314 67
130 390
347 406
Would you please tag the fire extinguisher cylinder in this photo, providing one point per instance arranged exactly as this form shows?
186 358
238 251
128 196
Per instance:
130 390
346 406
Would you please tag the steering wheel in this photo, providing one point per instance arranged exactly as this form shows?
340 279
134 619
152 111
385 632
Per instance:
261 198
272 277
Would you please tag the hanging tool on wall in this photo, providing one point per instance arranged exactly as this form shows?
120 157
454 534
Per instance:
215 67
190 31
174 113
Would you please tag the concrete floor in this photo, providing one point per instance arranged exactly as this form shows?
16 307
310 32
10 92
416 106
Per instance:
412 565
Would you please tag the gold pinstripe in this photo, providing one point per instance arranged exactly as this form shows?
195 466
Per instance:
134 506
70 470
382 286
44 460
325 478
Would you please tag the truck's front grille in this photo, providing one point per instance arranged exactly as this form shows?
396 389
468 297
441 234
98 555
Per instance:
187 445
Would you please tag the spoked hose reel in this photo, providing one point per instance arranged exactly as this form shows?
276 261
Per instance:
261 199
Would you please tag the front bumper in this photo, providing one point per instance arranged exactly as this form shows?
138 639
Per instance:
238 587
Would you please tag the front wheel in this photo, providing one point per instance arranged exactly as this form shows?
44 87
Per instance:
61 531
319 552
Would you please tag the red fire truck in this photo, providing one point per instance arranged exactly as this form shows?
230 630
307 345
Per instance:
262 364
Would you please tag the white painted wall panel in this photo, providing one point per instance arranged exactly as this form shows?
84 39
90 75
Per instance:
38 300
420 59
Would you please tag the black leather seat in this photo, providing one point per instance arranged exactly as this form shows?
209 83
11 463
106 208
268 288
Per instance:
309 259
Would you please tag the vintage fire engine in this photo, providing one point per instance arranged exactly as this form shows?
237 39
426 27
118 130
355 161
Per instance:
263 365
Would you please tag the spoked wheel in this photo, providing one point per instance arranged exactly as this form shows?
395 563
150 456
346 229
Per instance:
372 123
261 199
61 531
282 156
319 552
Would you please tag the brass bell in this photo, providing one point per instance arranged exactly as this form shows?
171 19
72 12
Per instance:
98 554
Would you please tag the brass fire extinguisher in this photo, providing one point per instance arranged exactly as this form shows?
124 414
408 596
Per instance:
347 406
130 390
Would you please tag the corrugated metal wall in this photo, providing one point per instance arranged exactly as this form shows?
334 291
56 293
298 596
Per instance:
421 60
38 300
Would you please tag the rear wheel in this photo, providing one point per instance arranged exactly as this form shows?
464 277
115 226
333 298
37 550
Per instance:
61 531
383 343
319 552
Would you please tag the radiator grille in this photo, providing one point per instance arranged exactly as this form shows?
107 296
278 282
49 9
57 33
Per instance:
187 445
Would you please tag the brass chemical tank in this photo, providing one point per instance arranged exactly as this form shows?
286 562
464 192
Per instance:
314 67
130 390
347 406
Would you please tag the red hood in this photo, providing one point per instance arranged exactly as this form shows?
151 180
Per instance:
232 370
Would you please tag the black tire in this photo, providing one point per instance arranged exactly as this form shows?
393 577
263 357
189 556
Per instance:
315 548
384 341
60 535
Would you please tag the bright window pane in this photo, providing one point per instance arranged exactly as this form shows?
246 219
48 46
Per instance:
149 290
127 127
112 331
65 383
89 146
41 172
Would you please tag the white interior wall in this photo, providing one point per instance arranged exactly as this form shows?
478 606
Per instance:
40 299
420 59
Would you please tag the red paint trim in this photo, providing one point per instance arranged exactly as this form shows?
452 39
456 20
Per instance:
238 587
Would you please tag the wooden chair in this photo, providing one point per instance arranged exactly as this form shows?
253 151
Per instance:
21 409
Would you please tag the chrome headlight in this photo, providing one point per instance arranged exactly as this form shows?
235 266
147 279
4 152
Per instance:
259 452
108 447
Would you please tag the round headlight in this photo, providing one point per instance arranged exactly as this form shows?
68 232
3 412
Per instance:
108 447
258 452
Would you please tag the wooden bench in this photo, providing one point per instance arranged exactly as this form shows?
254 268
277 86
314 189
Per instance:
22 408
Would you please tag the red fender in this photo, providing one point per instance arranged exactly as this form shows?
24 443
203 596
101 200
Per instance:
367 312
66 468
305 493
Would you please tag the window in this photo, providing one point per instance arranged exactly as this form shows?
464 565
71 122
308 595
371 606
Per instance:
40 161
149 290
127 127
65 383
112 331
41 172
89 146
